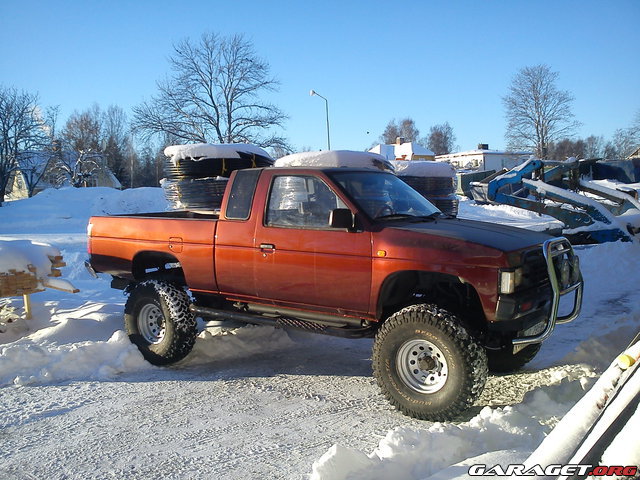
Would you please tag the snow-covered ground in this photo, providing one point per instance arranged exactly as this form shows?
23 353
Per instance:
78 401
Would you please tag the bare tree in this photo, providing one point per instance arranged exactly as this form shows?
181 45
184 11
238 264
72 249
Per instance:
83 131
22 127
441 139
116 143
567 148
594 147
537 112
405 128
213 95
626 140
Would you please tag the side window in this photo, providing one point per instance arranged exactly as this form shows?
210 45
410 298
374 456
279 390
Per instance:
241 194
300 201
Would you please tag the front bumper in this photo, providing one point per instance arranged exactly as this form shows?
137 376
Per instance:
559 255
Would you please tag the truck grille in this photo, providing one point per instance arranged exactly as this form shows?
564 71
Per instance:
534 268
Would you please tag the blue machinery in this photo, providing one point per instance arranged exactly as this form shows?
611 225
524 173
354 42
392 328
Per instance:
590 212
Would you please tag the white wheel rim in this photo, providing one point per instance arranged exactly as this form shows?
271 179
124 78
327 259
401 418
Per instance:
422 366
151 323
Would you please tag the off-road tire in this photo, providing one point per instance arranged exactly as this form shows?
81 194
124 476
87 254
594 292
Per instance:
454 372
505 361
158 321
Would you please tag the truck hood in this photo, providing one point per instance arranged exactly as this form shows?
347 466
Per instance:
492 235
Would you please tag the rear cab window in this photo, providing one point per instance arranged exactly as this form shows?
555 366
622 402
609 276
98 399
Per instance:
241 194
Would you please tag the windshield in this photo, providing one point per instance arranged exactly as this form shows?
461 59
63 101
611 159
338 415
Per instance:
383 195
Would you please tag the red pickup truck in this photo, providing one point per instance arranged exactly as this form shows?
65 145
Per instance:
348 252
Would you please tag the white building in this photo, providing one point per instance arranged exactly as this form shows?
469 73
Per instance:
402 150
484 159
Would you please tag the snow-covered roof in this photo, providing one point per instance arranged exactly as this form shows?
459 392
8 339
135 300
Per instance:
199 151
336 158
116 183
423 168
31 159
406 150
410 149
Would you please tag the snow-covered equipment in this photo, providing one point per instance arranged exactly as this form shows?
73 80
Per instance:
28 267
197 174
591 213
435 181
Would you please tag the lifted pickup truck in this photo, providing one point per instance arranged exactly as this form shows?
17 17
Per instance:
347 252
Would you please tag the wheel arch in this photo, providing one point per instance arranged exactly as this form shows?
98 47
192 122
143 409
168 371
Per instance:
407 287
149 264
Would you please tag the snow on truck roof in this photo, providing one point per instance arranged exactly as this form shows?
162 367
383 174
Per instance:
336 158
198 151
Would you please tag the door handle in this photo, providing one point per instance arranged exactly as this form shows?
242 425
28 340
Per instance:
267 246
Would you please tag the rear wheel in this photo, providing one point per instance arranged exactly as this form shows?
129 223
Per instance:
159 322
427 364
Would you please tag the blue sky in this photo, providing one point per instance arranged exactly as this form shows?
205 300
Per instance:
433 61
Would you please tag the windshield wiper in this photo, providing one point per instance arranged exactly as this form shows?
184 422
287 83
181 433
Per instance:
431 216
409 216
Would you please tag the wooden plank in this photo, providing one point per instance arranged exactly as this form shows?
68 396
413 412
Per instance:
27 306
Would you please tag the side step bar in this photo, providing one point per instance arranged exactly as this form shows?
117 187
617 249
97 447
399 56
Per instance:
284 322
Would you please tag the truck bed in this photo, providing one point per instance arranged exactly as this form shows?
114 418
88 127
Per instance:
121 245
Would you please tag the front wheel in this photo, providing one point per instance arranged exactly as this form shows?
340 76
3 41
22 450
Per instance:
159 322
427 364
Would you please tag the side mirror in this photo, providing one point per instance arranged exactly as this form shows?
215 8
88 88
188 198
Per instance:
341 218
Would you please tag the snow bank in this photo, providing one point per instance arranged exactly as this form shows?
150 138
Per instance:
68 209
410 453
423 168
220 342
336 158
198 151
82 341
30 363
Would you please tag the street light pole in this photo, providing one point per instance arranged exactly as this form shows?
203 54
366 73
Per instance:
326 104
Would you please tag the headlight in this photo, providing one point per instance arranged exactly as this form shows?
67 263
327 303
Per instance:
510 279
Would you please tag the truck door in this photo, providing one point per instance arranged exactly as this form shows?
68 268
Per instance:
302 261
